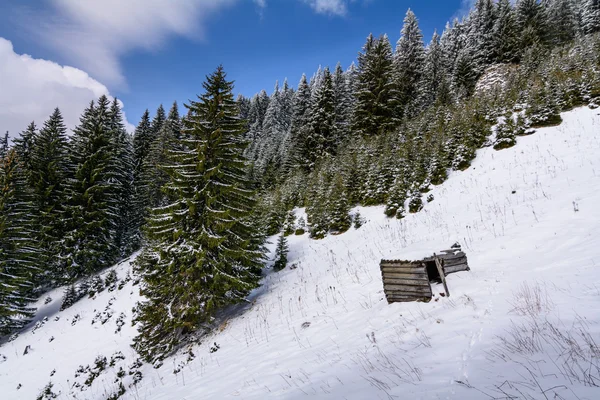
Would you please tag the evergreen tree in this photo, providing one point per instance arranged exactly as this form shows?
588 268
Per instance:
281 253
376 95
24 145
434 84
18 248
562 18
464 77
322 139
395 203
4 145
339 207
343 104
90 243
531 22
299 123
409 59
505 33
590 16
122 179
51 174
203 254
481 33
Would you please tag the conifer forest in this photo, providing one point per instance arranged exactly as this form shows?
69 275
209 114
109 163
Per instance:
198 188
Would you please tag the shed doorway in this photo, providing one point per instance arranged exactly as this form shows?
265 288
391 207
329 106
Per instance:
432 272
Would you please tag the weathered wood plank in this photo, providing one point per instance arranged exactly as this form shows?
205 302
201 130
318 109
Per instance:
407 289
392 265
408 299
457 261
402 275
457 267
438 264
398 281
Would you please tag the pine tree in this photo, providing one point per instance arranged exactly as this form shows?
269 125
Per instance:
90 243
590 17
18 248
434 85
299 124
281 254
343 104
51 174
339 207
24 145
480 36
409 59
395 203
562 18
505 33
322 122
4 145
531 22
464 77
376 96
122 165
203 254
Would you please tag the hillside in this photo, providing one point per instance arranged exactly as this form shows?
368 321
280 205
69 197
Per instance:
522 322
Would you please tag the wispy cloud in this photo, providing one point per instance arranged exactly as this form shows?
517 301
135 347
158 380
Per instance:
94 35
330 7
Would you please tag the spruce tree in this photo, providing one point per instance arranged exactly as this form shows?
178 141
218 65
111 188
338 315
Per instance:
376 96
590 16
203 254
51 175
505 33
409 59
434 85
480 36
342 103
322 123
563 19
299 124
24 145
281 253
90 243
18 249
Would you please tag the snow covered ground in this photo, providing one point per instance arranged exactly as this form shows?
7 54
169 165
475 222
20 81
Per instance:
524 322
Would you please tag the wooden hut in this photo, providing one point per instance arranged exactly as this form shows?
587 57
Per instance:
411 280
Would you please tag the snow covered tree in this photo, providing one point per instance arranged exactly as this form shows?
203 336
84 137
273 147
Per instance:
51 174
531 22
281 253
24 145
415 204
464 77
122 165
376 96
18 248
434 83
339 207
202 254
90 243
562 17
395 203
343 104
322 122
299 124
590 16
505 33
480 35
409 59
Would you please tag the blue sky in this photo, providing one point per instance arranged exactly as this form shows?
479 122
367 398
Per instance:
156 51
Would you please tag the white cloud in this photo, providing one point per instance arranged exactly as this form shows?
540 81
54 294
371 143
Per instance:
331 7
93 35
261 3
32 88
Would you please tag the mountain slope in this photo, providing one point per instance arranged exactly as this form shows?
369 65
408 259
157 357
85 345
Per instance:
521 322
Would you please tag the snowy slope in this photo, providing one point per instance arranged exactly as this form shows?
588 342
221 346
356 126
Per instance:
524 322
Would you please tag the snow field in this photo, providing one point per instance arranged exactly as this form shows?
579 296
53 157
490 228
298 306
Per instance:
525 321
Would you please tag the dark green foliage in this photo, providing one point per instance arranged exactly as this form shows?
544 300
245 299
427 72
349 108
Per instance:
415 203
51 171
69 298
357 220
376 95
289 226
301 227
281 253
18 248
90 243
395 203
203 254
